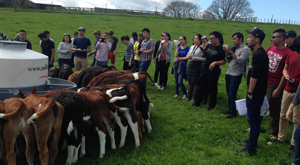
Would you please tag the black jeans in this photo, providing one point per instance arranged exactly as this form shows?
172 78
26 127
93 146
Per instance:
208 80
125 66
161 68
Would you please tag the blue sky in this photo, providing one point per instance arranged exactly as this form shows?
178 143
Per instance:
280 9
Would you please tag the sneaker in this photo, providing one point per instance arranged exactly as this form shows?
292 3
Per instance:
248 129
186 99
244 143
291 148
230 117
184 96
192 101
277 142
176 95
272 137
245 151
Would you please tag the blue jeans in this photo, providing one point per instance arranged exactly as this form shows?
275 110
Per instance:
65 61
101 63
144 65
297 145
179 81
253 117
232 86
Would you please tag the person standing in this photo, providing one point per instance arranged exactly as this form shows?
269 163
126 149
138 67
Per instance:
48 36
102 48
129 53
293 110
180 65
81 46
163 60
291 72
154 58
75 35
289 39
277 55
136 48
47 48
238 58
134 38
65 51
257 89
147 48
114 47
97 35
209 77
195 66
23 38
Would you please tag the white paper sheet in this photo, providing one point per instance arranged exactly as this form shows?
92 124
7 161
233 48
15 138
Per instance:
242 109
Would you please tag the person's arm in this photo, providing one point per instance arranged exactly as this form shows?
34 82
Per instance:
156 49
4 37
117 47
252 85
285 71
278 90
52 56
74 48
201 59
60 49
213 64
29 45
108 45
41 50
152 48
131 56
242 58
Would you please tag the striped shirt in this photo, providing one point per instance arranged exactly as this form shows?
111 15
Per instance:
148 44
129 52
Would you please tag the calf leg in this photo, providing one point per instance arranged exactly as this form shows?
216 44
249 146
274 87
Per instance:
28 133
82 149
122 128
111 133
75 157
102 136
42 135
71 150
134 128
9 139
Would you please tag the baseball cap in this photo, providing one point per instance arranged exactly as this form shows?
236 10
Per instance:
97 32
291 34
110 32
257 32
82 29
75 33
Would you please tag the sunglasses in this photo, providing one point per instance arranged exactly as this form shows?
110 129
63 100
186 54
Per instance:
273 37
162 35
67 34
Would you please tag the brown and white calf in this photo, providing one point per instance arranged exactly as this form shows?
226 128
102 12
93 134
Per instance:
44 114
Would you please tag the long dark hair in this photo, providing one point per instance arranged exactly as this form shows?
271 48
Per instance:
218 35
199 36
168 34
70 41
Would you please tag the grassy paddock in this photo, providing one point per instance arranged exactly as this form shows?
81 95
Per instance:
181 134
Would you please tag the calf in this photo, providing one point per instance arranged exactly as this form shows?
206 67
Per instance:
86 76
73 77
131 102
64 71
44 114
53 72
144 101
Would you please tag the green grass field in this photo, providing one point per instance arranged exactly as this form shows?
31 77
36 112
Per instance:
181 134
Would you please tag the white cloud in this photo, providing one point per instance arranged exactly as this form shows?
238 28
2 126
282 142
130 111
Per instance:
149 5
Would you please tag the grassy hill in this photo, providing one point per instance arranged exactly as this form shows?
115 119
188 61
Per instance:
181 134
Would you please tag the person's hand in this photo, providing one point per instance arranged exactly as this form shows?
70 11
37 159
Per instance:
193 59
142 50
84 50
250 97
129 64
68 51
114 53
51 63
78 50
276 93
89 54
154 60
289 113
287 77
212 65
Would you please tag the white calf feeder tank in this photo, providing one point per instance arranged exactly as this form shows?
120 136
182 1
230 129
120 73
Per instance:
21 69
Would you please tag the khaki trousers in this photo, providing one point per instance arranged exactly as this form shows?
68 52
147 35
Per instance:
80 63
284 123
